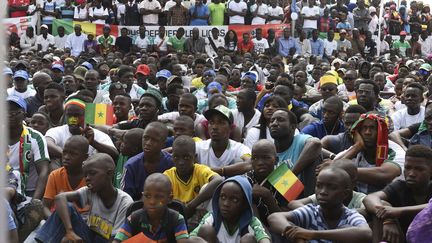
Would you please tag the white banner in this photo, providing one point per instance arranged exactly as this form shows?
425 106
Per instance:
19 25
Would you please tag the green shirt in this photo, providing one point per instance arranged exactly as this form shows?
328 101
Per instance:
177 44
402 46
118 174
217 12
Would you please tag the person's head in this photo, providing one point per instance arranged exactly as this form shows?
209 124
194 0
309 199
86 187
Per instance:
402 36
77 29
220 120
30 31
174 91
418 167
40 122
332 110
270 106
70 84
248 81
74 111
149 105
300 78
122 104
349 167
286 33
333 185
180 32
98 172
142 30
187 105
351 115
154 137
217 99
91 80
315 34
75 153
264 158
424 34
183 155
284 91
184 125
258 33
413 95
349 79
61 31
380 80
246 100
20 81
195 33
131 142
368 127
17 109
106 30
283 124
367 94
126 76
246 37
157 193
124 32
54 96
328 84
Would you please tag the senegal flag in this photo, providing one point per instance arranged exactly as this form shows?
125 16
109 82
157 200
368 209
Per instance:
285 182
99 114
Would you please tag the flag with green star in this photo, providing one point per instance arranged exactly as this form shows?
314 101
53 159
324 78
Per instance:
99 114
285 182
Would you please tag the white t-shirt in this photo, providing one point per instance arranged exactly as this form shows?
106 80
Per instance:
172 116
310 12
220 42
329 47
80 13
121 8
61 134
260 45
239 119
45 42
238 7
262 10
143 43
98 12
275 12
401 118
76 43
105 221
252 136
28 93
150 18
60 42
163 46
233 153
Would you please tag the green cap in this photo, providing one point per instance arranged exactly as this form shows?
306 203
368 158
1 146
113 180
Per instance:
426 66
221 110
154 93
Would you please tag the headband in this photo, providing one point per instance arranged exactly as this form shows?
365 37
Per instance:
76 102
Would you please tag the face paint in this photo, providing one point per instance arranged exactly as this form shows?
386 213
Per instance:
73 120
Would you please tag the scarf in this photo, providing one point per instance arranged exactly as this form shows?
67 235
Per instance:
382 135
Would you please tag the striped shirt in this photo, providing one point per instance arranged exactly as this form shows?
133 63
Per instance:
67 12
310 217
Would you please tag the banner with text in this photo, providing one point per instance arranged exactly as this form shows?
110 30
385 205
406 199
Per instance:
19 25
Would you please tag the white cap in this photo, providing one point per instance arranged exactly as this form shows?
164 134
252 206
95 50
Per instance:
372 9
44 26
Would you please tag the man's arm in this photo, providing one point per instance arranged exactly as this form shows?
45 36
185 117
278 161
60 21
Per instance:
310 153
280 221
238 168
374 200
42 168
61 201
357 234
299 203
397 136
379 176
53 149
206 193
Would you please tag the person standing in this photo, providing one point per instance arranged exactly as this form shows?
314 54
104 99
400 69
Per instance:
310 15
199 13
217 12
237 11
150 10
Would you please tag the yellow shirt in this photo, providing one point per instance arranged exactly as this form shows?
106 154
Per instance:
186 191
197 83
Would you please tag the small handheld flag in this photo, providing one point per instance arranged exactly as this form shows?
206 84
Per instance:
285 182
99 114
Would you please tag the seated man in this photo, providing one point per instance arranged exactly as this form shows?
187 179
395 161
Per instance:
300 152
75 114
54 96
378 160
330 123
328 221
192 183
151 160
70 177
107 205
246 116
225 156
187 106
414 111
406 197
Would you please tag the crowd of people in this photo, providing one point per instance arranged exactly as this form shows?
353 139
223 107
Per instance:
201 123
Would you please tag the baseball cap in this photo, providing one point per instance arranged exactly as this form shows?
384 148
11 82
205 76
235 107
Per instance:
7 71
214 85
173 79
221 110
18 101
47 57
87 65
426 67
372 9
209 73
143 69
22 63
250 75
403 32
57 66
21 74
163 74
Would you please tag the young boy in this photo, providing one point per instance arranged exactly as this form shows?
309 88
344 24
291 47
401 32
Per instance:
131 145
107 204
232 217
155 222
70 177
188 179
330 220
406 197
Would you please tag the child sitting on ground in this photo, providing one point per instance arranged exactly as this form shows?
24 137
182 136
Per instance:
232 219
328 221
188 178
155 222
108 207
406 197
70 177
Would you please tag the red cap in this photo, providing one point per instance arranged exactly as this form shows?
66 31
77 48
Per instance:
403 33
143 69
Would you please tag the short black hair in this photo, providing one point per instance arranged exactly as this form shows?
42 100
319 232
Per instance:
335 100
123 69
192 97
200 61
173 87
56 86
419 151
250 94
291 116
216 96
415 86
359 82
355 109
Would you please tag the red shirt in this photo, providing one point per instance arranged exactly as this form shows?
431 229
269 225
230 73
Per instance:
243 48
18 3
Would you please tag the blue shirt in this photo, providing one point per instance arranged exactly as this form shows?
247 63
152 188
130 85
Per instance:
317 129
135 173
317 47
201 11
286 44
291 155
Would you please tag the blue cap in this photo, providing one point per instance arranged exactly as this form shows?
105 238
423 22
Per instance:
209 73
163 74
21 74
214 85
58 66
250 75
87 65
18 100
7 71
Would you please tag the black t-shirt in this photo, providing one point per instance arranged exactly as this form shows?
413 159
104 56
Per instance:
400 195
124 43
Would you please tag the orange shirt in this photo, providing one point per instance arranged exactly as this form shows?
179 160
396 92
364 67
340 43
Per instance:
58 182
